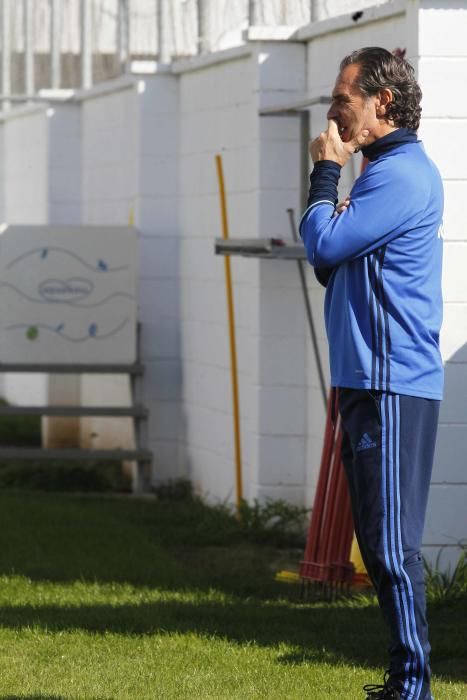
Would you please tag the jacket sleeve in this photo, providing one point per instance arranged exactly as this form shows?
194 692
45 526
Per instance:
384 201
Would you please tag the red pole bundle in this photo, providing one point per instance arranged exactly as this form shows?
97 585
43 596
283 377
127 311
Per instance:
327 551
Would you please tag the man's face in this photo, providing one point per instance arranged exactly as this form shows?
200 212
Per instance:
350 109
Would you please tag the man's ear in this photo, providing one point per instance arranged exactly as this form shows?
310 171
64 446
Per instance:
383 100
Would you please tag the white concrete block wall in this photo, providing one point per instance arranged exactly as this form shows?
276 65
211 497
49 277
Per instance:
25 200
130 173
218 114
40 184
109 182
156 217
442 60
64 164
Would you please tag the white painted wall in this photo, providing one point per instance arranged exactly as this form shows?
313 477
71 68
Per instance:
218 114
25 200
442 61
109 171
130 173
281 322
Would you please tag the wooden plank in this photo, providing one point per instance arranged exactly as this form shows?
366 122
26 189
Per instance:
68 411
135 369
65 454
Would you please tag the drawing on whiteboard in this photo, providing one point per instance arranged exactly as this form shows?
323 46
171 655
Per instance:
43 252
32 332
50 294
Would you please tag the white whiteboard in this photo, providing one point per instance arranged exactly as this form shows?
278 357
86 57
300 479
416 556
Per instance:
68 294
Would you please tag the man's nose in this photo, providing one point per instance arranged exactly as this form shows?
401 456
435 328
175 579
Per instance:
331 113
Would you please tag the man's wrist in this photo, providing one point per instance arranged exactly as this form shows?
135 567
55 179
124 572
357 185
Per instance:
323 182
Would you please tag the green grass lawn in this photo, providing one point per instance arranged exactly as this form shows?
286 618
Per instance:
110 597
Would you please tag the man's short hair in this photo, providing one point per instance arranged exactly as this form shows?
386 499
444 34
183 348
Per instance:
380 69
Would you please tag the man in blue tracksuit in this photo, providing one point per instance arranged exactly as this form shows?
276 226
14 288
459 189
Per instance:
379 255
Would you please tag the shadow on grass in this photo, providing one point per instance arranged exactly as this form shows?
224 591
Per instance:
320 633
31 697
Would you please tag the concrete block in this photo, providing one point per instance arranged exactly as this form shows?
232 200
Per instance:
237 126
207 343
162 380
197 260
442 29
445 520
160 340
439 78
282 66
445 151
158 298
242 216
190 173
453 337
454 266
273 218
282 410
65 213
209 429
454 405
246 307
167 462
279 274
159 134
163 422
204 301
158 256
281 360
160 95
455 194
449 464
157 216
280 165
235 80
207 385
212 475
158 176
65 184
277 313
283 129
281 460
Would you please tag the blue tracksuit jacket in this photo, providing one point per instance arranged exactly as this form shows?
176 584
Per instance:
381 261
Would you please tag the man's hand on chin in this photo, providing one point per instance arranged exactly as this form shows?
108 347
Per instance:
329 145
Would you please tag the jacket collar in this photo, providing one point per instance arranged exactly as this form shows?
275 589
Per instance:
388 142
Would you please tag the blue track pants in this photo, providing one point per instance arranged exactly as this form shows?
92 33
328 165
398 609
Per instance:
387 450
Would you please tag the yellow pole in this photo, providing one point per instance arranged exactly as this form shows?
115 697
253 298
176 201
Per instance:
233 348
